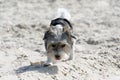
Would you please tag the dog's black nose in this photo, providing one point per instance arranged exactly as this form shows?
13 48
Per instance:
57 57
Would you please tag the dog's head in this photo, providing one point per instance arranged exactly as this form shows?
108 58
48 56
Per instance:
58 48
58 39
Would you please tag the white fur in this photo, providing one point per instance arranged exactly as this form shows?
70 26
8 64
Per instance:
57 30
63 13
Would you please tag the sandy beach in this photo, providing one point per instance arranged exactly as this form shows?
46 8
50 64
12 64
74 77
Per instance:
96 23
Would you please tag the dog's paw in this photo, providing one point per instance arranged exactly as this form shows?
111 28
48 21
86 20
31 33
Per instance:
70 57
46 65
64 60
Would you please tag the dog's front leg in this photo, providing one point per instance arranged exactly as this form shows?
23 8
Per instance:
48 62
73 50
71 56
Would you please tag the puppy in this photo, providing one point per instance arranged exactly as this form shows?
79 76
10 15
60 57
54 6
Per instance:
59 39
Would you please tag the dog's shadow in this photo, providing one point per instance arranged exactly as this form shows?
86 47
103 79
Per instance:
40 68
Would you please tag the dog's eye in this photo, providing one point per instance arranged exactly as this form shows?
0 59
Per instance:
63 45
53 45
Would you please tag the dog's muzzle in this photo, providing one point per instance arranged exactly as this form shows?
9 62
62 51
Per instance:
57 57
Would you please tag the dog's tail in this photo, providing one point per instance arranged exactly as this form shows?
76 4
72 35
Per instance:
63 13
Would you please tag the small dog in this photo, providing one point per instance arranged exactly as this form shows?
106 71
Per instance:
59 39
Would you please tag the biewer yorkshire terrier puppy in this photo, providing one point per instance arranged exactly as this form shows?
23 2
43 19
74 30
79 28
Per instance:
59 39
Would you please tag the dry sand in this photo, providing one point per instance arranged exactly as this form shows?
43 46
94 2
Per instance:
96 24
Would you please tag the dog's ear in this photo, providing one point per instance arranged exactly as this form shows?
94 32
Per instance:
71 36
47 35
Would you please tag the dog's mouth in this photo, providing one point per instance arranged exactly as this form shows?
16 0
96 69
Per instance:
57 57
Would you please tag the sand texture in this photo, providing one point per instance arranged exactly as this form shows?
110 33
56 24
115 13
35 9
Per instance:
97 52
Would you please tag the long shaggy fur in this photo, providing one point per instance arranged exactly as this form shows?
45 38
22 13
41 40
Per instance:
58 39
